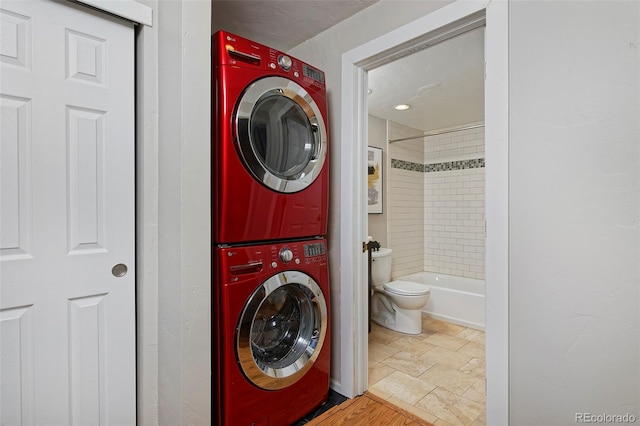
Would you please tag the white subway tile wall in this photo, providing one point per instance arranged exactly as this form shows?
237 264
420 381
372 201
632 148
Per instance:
462 145
405 221
454 203
436 201
454 222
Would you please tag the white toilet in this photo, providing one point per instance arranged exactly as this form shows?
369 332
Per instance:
396 304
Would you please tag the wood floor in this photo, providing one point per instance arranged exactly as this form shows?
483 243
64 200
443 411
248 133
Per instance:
367 410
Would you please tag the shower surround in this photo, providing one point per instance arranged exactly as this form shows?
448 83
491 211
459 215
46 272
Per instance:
436 202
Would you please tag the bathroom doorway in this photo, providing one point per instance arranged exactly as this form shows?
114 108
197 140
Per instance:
355 64
426 116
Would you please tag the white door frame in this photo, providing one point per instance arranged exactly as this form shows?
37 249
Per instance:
353 275
130 10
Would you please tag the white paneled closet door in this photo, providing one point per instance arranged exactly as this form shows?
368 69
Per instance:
67 264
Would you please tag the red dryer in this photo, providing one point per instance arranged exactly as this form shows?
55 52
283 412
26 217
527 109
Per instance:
269 154
272 347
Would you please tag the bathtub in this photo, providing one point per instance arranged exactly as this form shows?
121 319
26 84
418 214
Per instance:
453 299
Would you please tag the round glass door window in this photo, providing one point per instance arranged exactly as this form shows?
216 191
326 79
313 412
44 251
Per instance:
280 134
281 330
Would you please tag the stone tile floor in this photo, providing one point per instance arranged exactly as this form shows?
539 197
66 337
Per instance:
437 375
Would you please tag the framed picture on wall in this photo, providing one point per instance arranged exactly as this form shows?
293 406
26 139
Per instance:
374 179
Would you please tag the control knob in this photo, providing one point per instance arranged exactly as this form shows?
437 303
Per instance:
286 255
285 62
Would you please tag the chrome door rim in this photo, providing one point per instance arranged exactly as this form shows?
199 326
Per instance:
272 377
279 86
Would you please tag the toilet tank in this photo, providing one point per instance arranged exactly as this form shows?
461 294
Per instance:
381 266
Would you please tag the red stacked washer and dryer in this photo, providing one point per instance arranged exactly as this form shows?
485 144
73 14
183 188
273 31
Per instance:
270 206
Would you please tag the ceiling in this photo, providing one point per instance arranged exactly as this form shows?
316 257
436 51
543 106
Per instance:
282 24
444 83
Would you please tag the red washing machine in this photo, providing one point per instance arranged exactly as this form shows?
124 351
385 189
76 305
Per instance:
273 343
269 154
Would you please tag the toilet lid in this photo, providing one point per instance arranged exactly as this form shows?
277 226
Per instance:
406 288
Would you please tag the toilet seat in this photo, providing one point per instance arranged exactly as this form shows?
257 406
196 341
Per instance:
406 288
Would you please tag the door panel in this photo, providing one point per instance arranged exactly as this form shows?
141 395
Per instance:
281 330
67 324
281 134
15 182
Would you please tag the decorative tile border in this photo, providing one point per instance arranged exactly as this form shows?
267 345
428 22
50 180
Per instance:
407 165
437 167
455 165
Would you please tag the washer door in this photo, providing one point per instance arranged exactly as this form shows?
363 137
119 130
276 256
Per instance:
281 330
280 134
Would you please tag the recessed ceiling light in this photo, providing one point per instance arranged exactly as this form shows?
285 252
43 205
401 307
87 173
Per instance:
402 107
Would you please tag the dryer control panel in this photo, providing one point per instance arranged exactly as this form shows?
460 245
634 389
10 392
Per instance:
241 52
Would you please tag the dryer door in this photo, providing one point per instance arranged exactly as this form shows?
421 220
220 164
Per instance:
280 134
281 330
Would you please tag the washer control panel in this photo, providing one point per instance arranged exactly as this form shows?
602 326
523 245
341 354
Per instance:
286 255
248 260
315 252
314 249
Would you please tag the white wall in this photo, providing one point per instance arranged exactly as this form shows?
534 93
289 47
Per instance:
173 208
184 323
574 147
